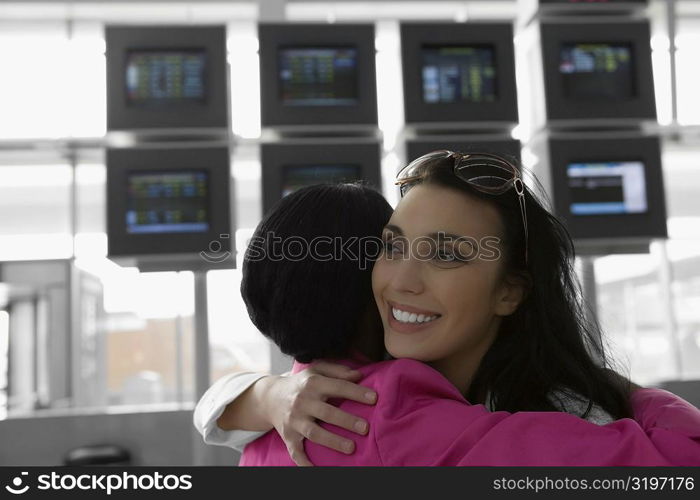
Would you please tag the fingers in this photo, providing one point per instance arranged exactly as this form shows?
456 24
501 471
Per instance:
304 406
343 389
297 453
335 381
335 370
317 434
331 415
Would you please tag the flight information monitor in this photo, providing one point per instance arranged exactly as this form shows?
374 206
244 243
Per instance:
169 208
318 76
597 71
165 77
295 177
459 73
607 188
167 202
294 164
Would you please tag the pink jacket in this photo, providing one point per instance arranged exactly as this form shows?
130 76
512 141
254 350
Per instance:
421 419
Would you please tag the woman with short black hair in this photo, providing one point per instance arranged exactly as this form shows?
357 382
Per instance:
326 236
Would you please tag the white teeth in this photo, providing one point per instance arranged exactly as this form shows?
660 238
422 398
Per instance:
406 317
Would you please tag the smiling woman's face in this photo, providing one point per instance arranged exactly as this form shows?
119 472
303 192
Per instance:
442 310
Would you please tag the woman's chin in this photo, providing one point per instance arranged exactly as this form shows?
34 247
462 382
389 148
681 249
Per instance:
402 350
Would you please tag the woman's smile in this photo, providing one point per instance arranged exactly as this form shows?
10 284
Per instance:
406 319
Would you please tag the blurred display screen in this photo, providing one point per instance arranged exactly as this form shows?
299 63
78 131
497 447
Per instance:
458 74
607 188
593 71
167 202
318 76
299 176
165 77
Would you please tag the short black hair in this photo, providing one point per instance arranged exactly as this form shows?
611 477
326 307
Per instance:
310 306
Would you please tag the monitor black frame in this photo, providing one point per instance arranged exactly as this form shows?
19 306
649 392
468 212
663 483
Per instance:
276 156
273 36
418 147
123 162
211 114
415 36
646 225
637 34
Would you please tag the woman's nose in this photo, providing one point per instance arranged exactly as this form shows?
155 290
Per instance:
408 276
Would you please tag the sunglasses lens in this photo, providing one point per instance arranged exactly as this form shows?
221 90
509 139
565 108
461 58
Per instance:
488 182
486 173
417 166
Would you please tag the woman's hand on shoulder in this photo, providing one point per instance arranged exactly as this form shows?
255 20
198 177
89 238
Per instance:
297 403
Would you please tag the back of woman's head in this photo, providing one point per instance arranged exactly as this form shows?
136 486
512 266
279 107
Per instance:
307 271
549 344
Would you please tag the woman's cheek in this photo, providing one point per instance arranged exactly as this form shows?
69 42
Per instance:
377 272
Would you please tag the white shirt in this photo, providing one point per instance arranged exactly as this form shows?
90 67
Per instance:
212 405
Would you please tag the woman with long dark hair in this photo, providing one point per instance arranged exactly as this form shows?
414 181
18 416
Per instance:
503 324
547 345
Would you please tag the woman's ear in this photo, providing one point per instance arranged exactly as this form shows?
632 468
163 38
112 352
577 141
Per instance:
514 290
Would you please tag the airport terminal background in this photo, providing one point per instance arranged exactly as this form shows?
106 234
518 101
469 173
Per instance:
129 376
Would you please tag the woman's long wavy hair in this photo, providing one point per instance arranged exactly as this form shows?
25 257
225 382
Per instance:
549 344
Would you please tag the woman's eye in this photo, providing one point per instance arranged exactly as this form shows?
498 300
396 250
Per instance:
445 256
389 247
448 259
